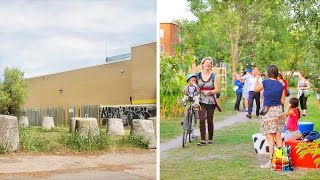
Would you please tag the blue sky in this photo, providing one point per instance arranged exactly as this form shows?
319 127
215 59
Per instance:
43 37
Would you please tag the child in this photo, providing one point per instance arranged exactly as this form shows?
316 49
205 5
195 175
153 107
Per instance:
192 91
293 115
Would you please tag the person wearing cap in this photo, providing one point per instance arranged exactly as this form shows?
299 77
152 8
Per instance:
245 91
192 90
209 86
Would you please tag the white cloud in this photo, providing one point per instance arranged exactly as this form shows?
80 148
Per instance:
42 37
174 9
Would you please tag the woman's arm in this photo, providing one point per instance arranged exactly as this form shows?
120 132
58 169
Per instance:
257 86
283 96
308 85
289 111
216 89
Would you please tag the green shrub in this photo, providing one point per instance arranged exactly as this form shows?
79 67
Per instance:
81 143
134 141
293 82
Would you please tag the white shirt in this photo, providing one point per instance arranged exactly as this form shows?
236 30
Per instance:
252 81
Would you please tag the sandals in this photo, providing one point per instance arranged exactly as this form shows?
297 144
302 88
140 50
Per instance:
201 143
204 142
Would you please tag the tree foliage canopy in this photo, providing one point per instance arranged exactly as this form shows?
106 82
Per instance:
248 32
13 90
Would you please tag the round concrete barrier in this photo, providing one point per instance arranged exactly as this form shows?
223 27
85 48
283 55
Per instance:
86 127
154 122
115 126
72 127
260 143
145 128
23 121
47 123
9 133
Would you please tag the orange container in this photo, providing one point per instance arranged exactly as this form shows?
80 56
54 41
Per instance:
306 161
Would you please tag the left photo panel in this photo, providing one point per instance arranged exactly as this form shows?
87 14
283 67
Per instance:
78 89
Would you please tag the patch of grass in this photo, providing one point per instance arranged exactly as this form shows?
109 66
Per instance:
2 150
133 141
231 156
28 141
171 127
58 139
81 143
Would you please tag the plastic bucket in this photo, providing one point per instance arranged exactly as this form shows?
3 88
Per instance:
305 126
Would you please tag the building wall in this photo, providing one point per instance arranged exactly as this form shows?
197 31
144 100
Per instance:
108 84
144 75
170 37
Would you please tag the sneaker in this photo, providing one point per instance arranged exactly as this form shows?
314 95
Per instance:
210 142
201 143
266 166
248 116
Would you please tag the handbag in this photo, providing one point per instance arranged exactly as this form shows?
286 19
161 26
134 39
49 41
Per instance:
264 110
217 105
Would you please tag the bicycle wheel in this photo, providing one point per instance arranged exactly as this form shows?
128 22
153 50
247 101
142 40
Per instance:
190 128
185 129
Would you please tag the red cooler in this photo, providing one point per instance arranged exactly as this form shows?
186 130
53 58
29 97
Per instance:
306 161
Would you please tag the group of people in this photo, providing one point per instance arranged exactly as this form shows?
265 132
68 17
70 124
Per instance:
268 93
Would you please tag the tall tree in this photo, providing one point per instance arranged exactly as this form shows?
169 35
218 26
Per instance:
13 90
236 31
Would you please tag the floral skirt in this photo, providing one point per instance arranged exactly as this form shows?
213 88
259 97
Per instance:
273 121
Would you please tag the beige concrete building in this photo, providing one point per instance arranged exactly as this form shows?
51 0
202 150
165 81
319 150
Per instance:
131 80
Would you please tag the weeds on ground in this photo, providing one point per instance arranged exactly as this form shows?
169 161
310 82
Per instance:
133 141
28 142
88 143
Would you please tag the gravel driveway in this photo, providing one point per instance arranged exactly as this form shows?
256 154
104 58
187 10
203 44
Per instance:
141 165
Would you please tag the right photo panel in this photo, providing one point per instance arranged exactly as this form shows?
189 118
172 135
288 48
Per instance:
239 89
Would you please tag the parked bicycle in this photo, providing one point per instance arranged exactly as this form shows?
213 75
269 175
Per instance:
190 117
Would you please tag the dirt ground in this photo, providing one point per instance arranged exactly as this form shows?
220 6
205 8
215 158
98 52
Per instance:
109 165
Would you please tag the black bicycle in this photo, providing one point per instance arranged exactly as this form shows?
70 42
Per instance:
189 119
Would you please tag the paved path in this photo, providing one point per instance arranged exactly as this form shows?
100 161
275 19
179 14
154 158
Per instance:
239 117
140 165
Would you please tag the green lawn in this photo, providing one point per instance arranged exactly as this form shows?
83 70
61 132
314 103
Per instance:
231 157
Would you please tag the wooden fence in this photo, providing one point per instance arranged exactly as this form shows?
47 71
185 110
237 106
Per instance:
61 115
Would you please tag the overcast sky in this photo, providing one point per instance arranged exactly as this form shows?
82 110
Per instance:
173 9
43 37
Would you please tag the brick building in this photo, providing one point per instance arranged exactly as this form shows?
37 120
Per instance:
169 36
